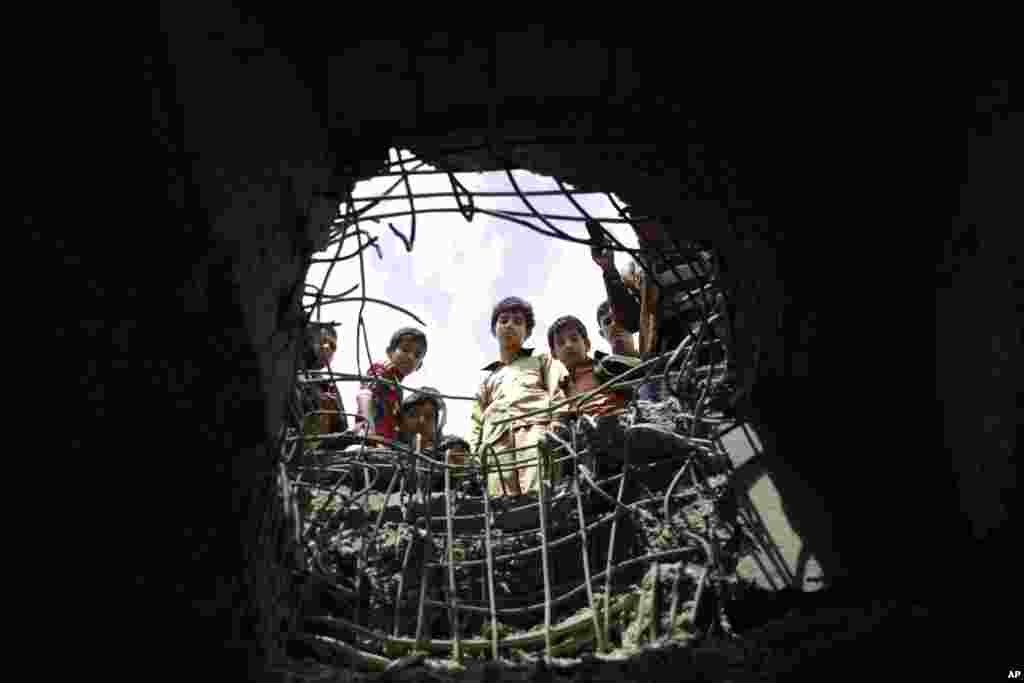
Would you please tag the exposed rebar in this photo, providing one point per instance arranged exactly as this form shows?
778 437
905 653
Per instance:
694 389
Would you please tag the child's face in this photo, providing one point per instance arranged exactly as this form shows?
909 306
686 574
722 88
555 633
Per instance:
407 355
328 347
615 333
570 346
419 419
510 329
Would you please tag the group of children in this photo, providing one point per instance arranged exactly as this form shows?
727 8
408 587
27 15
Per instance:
524 395
520 399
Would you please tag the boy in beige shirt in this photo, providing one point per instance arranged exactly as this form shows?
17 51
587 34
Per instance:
505 413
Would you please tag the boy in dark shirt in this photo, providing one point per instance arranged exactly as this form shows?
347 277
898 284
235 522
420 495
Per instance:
324 412
666 302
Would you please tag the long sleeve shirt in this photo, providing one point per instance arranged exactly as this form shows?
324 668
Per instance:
678 282
529 383
625 306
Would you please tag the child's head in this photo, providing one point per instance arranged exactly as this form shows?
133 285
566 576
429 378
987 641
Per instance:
406 349
567 338
423 413
512 318
321 345
455 445
617 336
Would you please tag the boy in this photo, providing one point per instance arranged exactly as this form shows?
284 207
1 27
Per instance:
423 413
380 403
453 450
567 338
614 332
323 410
623 347
666 311
516 385
456 447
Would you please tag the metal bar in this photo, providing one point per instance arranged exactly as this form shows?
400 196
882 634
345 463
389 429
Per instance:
675 601
616 246
585 553
655 600
453 613
490 563
412 204
363 300
430 195
611 544
542 495
424 489
522 197
410 519
338 259
401 584
569 594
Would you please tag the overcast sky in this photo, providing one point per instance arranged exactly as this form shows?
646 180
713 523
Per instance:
455 274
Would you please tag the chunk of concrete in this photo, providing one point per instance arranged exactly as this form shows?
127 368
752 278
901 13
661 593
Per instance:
770 497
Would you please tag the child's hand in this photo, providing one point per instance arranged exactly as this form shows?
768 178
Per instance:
390 368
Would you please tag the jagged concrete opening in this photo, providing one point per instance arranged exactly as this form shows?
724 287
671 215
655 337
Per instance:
773 555
254 136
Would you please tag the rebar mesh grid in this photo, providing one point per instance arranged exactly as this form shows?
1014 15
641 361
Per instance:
418 558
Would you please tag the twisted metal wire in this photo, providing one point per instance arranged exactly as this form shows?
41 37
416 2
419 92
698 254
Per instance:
412 469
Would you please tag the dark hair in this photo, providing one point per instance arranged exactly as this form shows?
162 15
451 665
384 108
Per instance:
315 333
418 335
562 322
452 440
426 394
513 303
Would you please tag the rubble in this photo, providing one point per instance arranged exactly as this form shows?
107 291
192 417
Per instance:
644 537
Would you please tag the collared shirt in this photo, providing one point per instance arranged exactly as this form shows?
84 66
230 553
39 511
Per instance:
527 384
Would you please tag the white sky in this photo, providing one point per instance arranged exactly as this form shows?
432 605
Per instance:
455 274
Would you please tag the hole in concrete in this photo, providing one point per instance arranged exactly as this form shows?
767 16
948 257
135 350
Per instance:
458 270
446 565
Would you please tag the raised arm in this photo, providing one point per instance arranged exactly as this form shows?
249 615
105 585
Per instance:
624 306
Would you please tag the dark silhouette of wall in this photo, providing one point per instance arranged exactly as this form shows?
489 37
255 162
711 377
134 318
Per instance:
829 201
